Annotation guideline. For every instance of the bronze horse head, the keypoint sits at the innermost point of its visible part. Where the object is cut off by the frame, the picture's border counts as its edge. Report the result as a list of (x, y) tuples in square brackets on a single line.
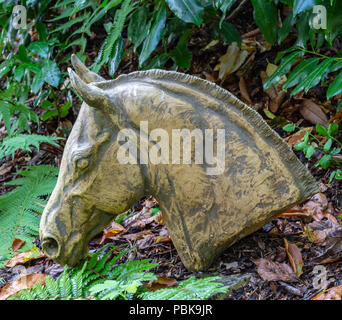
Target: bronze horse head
[(127, 143)]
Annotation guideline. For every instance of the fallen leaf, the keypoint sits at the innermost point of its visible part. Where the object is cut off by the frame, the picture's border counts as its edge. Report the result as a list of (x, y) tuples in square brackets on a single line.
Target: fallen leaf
[(5, 168), (160, 239), (25, 256), (313, 113), (334, 293), (295, 257), (244, 91), (112, 230), (297, 137), (137, 236), (146, 242), (274, 271), (17, 244), (161, 283), (231, 61), (276, 96), (25, 282)]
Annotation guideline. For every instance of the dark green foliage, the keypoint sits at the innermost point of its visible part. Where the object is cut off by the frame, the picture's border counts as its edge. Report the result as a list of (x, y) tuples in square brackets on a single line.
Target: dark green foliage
[(327, 150), (102, 278)]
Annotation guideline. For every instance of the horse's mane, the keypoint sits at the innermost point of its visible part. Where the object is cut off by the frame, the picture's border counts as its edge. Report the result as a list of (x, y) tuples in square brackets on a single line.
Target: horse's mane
[(226, 98)]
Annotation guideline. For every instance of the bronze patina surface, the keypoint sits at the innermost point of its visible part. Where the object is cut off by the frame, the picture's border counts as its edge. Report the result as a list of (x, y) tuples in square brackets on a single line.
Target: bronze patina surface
[(204, 213)]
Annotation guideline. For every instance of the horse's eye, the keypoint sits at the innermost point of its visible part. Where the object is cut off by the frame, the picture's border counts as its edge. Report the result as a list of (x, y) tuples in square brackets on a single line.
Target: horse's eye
[(82, 163)]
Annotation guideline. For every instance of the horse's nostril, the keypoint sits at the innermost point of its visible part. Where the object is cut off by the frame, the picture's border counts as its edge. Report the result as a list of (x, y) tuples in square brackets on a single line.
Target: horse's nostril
[(50, 247)]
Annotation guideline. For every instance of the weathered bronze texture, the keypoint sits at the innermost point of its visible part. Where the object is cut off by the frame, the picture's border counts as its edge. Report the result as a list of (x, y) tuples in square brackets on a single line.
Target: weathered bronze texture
[(204, 214)]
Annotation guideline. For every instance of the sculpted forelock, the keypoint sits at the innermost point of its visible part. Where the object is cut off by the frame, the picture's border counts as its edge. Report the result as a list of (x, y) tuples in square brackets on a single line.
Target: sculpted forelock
[(205, 213)]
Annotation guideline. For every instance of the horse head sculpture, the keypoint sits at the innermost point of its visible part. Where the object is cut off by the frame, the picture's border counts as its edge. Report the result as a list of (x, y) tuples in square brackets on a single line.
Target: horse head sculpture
[(127, 142)]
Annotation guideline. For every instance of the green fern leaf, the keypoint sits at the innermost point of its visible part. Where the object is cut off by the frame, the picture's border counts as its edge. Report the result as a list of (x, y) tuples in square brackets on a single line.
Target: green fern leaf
[(19, 208)]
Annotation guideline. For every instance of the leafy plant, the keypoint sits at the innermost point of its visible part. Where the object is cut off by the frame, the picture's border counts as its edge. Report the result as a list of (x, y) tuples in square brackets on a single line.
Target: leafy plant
[(189, 289), (102, 278), (9, 145), (313, 66), (310, 144), (21, 207)]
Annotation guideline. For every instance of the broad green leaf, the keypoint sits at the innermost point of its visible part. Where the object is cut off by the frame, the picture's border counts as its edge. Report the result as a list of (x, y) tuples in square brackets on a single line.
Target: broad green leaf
[(158, 61), (19, 72), (290, 127), (316, 75), (187, 10), (303, 30), (283, 69), (324, 162), (303, 5), (154, 35), (335, 87), (181, 54), (37, 82), (42, 31), (51, 73), (334, 21), (301, 72), (5, 67), (336, 66), (224, 5), (6, 115), (116, 56), (137, 24), (309, 152), (322, 130), (327, 145), (332, 129), (266, 18), (288, 23), (229, 34), (40, 48)]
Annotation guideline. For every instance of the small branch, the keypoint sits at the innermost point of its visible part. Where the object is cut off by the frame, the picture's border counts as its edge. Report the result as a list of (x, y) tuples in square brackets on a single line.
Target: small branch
[(236, 11)]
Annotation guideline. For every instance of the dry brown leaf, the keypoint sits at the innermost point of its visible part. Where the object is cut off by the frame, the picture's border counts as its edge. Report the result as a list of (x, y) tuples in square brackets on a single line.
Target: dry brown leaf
[(25, 256), (275, 103), (146, 242), (297, 137), (331, 294), (136, 236), (160, 239), (161, 283), (5, 168), (274, 271), (244, 91), (112, 230), (25, 282), (231, 61), (313, 113), (295, 257), (17, 244)]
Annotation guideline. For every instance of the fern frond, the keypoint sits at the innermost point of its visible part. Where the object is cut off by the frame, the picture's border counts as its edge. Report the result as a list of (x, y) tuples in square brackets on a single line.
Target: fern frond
[(114, 33), (20, 208), (190, 289), (23, 141)]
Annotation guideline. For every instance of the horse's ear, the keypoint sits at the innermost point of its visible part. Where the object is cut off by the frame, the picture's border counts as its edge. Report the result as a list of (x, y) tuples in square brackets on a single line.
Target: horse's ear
[(83, 72), (92, 95)]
